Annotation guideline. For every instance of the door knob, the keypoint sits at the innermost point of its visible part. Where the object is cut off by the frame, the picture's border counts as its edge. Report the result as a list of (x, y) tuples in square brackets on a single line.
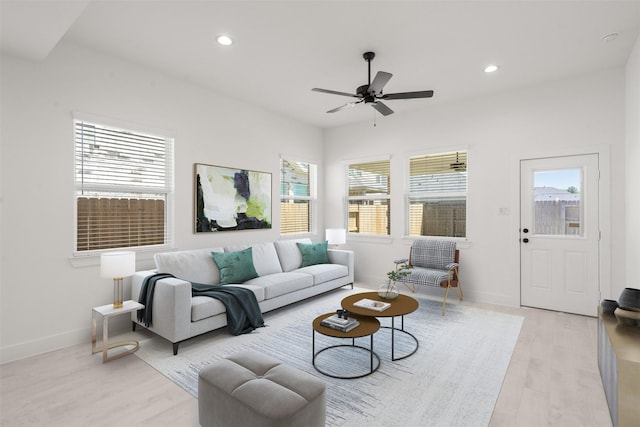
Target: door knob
[(525, 230), (525, 240)]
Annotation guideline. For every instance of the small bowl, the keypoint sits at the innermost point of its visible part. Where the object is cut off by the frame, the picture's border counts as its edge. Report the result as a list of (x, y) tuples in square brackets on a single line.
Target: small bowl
[(630, 299), (627, 317), (609, 305)]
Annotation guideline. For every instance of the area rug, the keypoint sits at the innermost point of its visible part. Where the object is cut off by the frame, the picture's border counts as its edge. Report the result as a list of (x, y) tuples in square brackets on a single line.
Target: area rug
[(453, 379)]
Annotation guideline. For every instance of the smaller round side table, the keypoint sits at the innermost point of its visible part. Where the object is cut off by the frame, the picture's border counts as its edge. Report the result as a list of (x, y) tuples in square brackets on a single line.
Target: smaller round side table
[(367, 327)]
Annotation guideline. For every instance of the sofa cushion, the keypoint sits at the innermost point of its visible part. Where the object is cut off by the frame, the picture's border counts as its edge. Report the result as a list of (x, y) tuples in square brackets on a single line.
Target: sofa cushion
[(193, 266), (265, 258), (235, 267), (203, 307), (313, 253), (278, 284), (289, 253), (324, 272)]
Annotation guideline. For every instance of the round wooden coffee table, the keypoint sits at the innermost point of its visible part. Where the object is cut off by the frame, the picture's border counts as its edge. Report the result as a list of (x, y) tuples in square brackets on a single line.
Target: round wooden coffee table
[(400, 306), (367, 327)]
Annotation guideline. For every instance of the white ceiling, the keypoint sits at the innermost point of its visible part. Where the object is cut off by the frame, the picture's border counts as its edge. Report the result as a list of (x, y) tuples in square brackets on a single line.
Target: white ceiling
[(283, 49)]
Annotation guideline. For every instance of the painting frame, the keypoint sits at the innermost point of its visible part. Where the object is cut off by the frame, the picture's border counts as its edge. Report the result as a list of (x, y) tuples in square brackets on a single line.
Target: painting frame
[(231, 199)]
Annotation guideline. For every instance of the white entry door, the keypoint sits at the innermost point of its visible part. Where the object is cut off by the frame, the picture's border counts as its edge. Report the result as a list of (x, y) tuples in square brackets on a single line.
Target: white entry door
[(559, 234)]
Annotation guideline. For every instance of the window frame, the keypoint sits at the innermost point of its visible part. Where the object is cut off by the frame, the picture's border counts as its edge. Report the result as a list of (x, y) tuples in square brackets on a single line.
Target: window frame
[(368, 197), (436, 195), (311, 198), (115, 191)]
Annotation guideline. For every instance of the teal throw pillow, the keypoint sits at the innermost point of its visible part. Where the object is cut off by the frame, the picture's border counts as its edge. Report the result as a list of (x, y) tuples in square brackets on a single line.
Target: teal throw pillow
[(313, 253), (235, 267)]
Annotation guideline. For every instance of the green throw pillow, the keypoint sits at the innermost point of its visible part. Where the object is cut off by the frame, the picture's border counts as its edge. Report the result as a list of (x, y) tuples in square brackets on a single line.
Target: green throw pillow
[(313, 253), (235, 267)]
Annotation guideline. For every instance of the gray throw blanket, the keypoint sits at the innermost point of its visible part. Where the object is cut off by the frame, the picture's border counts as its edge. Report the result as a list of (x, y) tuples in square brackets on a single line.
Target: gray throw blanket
[(243, 311)]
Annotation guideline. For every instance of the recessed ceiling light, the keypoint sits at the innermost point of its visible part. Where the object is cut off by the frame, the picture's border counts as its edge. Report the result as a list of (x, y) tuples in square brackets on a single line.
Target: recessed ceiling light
[(491, 68), (225, 40)]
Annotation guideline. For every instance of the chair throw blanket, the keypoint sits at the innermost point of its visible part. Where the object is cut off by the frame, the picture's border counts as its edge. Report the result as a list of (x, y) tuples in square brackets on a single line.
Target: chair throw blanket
[(243, 311)]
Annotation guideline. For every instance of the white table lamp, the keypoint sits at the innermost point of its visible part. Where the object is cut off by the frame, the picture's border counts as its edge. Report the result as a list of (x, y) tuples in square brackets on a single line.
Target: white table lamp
[(336, 236), (116, 265)]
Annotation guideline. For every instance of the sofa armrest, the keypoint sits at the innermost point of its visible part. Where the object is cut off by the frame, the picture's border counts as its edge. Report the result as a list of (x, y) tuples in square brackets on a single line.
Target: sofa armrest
[(343, 257), (171, 306)]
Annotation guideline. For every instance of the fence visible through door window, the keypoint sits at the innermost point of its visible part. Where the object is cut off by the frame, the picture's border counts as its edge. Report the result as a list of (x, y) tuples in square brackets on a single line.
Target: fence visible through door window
[(557, 202)]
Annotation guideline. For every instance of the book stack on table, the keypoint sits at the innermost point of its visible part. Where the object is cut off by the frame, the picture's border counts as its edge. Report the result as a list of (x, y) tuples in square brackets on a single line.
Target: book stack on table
[(340, 324)]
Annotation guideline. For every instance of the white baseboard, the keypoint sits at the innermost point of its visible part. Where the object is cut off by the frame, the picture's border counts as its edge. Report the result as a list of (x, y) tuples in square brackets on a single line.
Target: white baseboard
[(32, 348)]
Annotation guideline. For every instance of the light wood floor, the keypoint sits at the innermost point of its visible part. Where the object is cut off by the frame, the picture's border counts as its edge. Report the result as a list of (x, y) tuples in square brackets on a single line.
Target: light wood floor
[(552, 380)]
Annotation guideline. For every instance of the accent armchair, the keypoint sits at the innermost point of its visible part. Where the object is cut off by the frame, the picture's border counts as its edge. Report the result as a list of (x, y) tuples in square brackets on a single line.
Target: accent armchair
[(433, 263)]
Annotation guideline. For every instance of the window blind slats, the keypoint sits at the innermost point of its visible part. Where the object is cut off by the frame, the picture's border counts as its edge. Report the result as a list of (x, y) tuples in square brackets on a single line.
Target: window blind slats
[(105, 223), (438, 173), (116, 157), (370, 178)]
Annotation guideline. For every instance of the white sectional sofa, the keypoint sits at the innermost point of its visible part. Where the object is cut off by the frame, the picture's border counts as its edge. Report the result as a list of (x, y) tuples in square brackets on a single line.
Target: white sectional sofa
[(281, 280)]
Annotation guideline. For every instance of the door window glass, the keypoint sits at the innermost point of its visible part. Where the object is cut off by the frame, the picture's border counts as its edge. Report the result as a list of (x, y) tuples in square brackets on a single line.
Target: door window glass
[(558, 202)]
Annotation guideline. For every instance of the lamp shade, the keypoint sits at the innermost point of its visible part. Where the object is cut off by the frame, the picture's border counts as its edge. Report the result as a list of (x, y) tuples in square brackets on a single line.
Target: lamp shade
[(117, 264), (336, 236)]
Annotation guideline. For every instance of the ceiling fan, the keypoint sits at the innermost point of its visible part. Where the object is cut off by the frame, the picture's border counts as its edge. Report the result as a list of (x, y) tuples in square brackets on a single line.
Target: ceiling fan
[(371, 93)]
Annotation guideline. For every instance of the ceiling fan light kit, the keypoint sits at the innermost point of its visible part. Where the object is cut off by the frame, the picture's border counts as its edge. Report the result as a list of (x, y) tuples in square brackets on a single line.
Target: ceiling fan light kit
[(371, 93)]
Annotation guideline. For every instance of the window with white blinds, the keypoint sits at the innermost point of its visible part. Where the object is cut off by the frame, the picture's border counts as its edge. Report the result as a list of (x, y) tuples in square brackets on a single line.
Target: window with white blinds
[(297, 195), (123, 182), (438, 195), (369, 197)]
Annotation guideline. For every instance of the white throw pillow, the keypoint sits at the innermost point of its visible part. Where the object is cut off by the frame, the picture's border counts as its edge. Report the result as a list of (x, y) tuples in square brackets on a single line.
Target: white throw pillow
[(289, 253)]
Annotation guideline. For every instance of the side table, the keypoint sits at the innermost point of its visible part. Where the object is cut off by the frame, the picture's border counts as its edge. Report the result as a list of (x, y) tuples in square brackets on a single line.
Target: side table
[(368, 326), (107, 311)]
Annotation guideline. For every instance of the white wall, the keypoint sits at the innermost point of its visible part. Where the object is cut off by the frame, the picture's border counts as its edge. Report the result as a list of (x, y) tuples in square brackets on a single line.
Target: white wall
[(46, 298), (555, 118), (633, 161)]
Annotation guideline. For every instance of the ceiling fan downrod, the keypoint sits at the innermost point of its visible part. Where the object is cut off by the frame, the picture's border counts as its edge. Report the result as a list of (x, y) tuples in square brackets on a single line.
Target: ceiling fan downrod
[(368, 56)]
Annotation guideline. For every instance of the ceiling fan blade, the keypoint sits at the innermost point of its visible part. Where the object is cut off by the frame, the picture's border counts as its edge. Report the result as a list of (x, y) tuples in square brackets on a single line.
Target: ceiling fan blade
[(348, 104), (333, 92), (382, 108), (379, 82), (408, 95)]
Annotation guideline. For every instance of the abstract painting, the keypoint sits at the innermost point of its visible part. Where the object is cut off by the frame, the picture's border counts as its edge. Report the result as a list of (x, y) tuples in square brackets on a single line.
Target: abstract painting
[(231, 199)]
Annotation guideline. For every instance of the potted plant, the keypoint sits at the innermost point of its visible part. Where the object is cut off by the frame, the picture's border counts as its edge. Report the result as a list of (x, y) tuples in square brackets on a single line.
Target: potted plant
[(389, 290)]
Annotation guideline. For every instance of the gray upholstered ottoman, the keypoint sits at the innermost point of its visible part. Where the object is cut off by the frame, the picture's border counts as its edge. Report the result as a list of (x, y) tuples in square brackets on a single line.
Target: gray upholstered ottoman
[(253, 390)]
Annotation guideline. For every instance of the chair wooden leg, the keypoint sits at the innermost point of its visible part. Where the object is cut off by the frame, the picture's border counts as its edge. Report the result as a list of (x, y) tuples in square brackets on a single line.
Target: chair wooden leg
[(444, 302), (459, 291), (412, 288)]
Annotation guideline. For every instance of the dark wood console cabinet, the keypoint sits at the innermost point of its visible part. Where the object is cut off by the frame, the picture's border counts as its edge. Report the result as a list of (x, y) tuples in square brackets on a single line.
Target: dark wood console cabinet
[(619, 363)]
